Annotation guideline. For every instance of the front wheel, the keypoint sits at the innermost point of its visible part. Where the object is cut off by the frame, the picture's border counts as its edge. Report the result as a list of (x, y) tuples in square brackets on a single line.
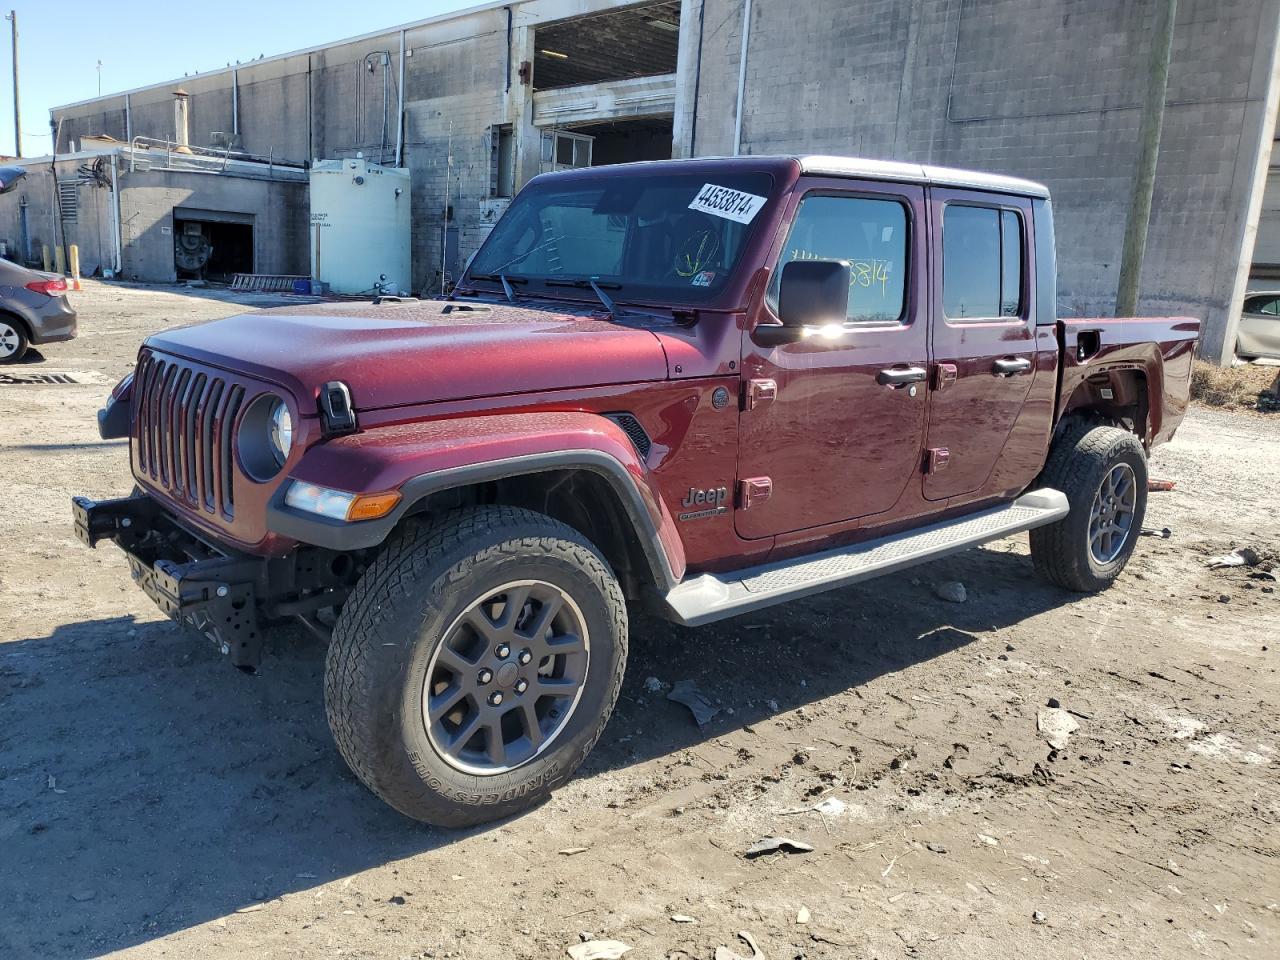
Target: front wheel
[(1103, 472), (476, 664)]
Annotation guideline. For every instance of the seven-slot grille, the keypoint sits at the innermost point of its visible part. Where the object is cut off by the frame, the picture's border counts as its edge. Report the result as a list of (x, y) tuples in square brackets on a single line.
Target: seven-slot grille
[(182, 431)]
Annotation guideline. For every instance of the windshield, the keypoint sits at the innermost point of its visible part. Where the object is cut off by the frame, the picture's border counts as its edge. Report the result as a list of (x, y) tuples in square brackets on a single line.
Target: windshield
[(650, 236)]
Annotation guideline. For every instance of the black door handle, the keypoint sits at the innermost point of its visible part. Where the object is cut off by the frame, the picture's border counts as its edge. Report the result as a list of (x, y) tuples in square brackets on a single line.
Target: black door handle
[(901, 376), (1008, 366)]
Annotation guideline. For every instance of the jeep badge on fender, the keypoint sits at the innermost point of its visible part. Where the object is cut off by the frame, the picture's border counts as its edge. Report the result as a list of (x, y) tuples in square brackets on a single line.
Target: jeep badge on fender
[(712, 499), (466, 498)]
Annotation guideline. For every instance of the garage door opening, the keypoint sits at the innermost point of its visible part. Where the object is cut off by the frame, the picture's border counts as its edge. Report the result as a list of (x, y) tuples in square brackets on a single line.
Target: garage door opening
[(626, 140), (211, 245)]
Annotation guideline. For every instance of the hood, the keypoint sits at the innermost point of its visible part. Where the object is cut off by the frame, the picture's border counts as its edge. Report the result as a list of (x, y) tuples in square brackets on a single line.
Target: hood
[(395, 354)]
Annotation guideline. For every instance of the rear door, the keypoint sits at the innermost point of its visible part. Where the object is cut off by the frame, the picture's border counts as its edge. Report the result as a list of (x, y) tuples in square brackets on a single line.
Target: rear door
[(983, 335), (823, 438), (1259, 334)]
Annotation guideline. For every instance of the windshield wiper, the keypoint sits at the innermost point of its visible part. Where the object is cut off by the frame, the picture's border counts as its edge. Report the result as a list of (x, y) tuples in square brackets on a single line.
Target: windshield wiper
[(504, 280), (598, 288)]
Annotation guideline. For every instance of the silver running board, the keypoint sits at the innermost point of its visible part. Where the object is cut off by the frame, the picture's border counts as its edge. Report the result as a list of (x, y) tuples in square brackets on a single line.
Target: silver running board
[(713, 596)]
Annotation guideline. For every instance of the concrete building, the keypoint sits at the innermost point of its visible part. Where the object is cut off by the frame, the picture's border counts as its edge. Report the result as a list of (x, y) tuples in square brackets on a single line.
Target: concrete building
[(476, 103)]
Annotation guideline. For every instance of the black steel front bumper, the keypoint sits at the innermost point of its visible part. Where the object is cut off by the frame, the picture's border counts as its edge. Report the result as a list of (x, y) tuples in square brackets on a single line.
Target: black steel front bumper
[(190, 580)]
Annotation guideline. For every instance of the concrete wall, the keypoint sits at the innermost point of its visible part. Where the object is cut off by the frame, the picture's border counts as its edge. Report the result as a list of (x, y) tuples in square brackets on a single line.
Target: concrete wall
[(1050, 91), (147, 200), (91, 230)]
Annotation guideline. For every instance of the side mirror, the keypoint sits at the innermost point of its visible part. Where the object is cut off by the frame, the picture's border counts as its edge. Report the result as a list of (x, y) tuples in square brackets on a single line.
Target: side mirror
[(813, 293)]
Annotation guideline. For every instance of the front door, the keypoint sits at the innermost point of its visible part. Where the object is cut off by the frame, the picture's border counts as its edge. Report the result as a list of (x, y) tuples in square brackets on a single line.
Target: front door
[(825, 436), (984, 345)]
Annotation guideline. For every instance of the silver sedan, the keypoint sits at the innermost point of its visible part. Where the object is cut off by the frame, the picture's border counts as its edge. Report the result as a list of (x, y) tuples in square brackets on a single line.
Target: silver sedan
[(1259, 333)]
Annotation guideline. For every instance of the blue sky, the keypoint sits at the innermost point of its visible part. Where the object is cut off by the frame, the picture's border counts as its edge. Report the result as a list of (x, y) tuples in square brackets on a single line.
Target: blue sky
[(60, 45)]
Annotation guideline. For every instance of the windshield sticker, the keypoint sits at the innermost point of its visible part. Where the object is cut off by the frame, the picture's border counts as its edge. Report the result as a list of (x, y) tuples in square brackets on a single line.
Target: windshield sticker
[(729, 204), (703, 279)]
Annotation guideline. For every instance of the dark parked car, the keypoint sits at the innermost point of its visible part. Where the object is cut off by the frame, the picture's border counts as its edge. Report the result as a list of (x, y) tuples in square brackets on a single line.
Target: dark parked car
[(697, 387), (33, 309)]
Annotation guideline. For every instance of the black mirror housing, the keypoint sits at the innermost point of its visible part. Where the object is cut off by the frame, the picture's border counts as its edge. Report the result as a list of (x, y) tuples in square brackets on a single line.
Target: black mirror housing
[(814, 293)]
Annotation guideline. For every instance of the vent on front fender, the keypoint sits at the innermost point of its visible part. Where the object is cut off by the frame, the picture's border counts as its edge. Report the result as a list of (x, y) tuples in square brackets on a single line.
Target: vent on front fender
[(632, 428)]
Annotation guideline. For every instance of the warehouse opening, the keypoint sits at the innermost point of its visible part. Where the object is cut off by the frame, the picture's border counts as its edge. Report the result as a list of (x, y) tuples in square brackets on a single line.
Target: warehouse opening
[(617, 45), (211, 244)]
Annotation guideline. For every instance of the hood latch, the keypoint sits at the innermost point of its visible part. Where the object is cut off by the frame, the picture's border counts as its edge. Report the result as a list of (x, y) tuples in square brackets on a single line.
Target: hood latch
[(337, 415)]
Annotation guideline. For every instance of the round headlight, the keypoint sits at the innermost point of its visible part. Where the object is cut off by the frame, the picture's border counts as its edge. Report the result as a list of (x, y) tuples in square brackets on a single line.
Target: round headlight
[(281, 431), (265, 437)]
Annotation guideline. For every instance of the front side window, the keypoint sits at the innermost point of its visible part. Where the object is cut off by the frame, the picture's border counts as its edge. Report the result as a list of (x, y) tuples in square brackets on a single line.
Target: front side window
[(871, 234), (981, 263), (664, 237)]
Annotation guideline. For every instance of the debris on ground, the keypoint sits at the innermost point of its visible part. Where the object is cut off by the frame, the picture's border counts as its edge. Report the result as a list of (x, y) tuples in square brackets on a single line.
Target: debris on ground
[(1038, 917), (952, 591), (1243, 557), (81, 896), (1056, 725), (1160, 486), (653, 685), (830, 807), (802, 915), (598, 950), (725, 953), (782, 844), (570, 851), (687, 693), (935, 848), (683, 918)]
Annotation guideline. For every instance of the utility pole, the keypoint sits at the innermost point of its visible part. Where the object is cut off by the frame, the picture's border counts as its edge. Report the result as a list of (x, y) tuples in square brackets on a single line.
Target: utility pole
[(12, 17), (99, 78), (1144, 179)]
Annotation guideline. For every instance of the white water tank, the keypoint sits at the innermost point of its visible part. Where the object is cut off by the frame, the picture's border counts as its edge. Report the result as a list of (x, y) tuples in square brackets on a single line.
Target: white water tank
[(360, 227)]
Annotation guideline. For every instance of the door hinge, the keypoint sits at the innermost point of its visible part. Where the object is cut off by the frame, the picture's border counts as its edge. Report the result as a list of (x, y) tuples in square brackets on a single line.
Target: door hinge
[(761, 392), (936, 458), (755, 490), (944, 375)]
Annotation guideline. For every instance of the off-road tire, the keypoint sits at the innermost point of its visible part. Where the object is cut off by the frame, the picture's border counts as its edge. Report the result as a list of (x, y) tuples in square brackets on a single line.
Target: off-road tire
[(426, 574), (13, 331), (1079, 461)]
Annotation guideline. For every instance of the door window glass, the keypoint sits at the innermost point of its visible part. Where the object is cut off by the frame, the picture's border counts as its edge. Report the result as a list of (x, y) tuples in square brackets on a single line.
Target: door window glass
[(981, 263), (871, 234), (1010, 264)]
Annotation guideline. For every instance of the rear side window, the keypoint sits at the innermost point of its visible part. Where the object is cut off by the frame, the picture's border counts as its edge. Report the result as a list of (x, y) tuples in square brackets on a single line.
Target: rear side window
[(871, 234), (981, 263), (1266, 305)]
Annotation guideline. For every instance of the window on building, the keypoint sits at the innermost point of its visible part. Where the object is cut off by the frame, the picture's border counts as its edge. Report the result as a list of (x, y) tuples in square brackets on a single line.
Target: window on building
[(564, 151), (981, 263), (502, 163), (871, 234)]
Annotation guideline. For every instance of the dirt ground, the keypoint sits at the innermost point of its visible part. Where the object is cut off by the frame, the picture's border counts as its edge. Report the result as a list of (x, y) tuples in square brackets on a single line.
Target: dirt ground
[(155, 802)]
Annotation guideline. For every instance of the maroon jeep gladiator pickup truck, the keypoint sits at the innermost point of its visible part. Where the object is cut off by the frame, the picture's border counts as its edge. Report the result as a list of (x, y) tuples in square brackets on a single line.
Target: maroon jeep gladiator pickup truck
[(701, 386)]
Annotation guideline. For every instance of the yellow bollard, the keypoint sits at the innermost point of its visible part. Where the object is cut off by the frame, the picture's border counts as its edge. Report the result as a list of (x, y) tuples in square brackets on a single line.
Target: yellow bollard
[(60, 261), (44, 256), (73, 254)]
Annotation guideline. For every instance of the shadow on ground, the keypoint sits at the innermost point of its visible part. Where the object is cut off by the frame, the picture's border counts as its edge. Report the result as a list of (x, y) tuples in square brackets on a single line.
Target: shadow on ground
[(146, 787)]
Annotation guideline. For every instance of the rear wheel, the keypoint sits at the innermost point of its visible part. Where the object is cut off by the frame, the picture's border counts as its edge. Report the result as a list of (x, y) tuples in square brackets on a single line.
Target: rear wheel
[(476, 664), (13, 341), (1103, 472)]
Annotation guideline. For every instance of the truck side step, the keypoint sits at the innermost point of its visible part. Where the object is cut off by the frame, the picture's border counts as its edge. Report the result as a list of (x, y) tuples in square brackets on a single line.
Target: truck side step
[(711, 597)]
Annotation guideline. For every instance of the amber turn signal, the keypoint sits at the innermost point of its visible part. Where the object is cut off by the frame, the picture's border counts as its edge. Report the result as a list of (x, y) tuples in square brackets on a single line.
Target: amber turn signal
[(370, 506)]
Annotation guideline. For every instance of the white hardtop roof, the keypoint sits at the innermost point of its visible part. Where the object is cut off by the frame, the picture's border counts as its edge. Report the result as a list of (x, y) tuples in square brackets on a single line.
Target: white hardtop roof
[(919, 173)]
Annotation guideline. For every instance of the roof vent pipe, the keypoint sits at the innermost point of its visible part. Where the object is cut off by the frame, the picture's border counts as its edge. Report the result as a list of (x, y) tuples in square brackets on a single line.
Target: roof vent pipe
[(181, 134)]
